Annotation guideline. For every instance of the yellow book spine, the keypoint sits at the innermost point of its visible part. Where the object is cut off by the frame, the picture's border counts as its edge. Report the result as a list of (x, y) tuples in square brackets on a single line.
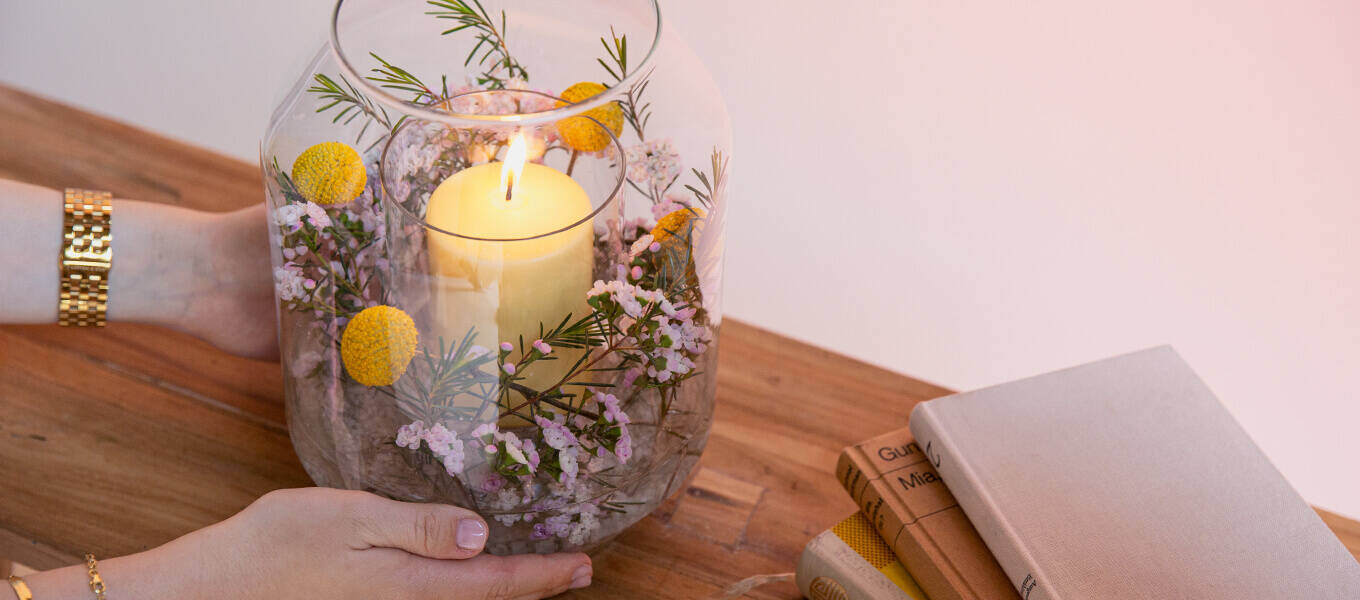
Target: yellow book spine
[(851, 562)]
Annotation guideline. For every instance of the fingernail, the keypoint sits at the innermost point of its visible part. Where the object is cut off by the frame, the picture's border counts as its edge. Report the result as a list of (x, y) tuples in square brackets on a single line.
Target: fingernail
[(471, 534), (580, 578)]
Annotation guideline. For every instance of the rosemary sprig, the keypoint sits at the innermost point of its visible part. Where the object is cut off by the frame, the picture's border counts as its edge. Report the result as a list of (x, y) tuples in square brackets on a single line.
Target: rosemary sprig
[(286, 186), (711, 186), (637, 112), (393, 77), (450, 372), (584, 333), (352, 103), (491, 43)]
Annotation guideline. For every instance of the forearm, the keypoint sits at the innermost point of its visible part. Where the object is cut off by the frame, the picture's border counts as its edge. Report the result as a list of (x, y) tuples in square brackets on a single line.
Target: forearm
[(202, 565), (30, 239), (143, 575), (155, 254), (152, 246), (202, 273)]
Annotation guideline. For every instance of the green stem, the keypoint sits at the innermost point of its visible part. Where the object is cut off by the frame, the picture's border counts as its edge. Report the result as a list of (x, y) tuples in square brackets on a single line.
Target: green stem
[(532, 396)]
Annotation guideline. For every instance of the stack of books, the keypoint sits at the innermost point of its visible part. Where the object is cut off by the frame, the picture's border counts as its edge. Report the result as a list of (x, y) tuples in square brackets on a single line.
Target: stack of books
[(1124, 478)]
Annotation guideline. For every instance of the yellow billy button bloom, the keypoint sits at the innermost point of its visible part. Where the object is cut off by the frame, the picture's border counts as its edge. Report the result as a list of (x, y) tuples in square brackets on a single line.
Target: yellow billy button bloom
[(584, 134), (330, 173), (378, 345), (675, 230)]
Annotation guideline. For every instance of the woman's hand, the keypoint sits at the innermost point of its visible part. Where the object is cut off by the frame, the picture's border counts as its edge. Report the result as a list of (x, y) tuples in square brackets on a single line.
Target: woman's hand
[(206, 274), (325, 543), (233, 286)]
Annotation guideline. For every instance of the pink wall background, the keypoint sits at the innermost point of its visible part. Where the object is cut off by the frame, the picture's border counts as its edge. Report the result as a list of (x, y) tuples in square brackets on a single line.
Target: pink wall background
[(984, 190)]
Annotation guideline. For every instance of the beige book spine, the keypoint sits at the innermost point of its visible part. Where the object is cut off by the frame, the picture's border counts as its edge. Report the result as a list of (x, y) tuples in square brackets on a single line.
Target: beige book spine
[(921, 522), (829, 569), (1000, 538)]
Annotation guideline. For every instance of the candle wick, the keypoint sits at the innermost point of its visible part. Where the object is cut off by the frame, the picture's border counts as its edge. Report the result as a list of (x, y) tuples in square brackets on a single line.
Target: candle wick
[(509, 186)]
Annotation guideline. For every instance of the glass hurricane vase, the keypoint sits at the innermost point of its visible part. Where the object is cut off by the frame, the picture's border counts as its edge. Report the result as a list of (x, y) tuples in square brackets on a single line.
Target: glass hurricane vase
[(497, 244)]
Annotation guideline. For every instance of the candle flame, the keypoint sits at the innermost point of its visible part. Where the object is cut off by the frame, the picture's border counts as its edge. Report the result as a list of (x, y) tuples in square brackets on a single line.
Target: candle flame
[(515, 157)]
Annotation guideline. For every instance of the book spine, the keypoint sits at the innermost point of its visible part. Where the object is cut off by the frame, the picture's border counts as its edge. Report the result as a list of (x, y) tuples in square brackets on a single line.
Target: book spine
[(858, 476), (970, 493), (829, 569), (880, 505)]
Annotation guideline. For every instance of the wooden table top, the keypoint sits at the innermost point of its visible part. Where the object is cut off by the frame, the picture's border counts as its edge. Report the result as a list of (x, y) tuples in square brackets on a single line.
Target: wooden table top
[(161, 434)]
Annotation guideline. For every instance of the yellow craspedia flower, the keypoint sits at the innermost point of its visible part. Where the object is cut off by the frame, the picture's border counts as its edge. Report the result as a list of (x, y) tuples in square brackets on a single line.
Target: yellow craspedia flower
[(330, 173), (675, 232), (581, 133), (378, 345), (678, 227)]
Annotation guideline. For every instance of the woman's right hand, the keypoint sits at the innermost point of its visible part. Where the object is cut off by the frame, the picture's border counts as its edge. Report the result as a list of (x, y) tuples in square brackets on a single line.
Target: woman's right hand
[(327, 543)]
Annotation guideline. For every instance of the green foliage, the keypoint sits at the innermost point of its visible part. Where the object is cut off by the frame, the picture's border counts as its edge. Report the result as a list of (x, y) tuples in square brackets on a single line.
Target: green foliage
[(286, 186), (491, 52), (393, 77), (711, 185), (637, 112), (351, 103), (452, 374)]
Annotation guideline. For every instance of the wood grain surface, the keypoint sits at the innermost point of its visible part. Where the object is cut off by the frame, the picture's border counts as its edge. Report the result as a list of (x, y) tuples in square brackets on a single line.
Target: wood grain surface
[(117, 440)]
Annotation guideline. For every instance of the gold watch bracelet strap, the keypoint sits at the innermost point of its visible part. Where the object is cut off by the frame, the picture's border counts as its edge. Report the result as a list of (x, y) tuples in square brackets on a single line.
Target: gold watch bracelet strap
[(86, 258)]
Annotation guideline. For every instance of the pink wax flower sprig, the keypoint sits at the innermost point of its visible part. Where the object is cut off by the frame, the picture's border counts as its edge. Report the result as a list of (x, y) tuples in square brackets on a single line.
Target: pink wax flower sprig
[(443, 444), (331, 255), (512, 373), (562, 442), (655, 333), (653, 167), (631, 328), (648, 323), (565, 449)]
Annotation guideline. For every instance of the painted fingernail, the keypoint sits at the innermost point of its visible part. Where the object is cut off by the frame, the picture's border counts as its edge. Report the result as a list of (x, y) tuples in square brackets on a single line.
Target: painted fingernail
[(581, 577), (471, 534)]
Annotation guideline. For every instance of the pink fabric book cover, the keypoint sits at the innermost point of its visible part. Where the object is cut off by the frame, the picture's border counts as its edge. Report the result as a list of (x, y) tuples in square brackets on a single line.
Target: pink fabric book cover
[(1126, 478)]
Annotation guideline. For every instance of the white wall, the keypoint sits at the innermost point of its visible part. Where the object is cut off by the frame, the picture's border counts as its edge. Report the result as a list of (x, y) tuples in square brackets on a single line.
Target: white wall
[(1010, 187)]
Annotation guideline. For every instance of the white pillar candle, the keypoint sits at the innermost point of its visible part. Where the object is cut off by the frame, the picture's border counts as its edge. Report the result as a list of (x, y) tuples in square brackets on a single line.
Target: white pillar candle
[(505, 289)]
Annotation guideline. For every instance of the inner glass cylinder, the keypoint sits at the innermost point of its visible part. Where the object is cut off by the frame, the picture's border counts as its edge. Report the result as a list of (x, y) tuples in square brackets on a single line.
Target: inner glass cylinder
[(497, 232)]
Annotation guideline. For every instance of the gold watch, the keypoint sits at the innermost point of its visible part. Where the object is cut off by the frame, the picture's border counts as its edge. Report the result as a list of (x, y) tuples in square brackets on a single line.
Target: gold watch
[(86, 258)]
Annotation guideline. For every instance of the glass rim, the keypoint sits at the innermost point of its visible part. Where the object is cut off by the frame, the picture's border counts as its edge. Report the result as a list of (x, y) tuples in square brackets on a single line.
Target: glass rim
[(609, 199), (472, 120)]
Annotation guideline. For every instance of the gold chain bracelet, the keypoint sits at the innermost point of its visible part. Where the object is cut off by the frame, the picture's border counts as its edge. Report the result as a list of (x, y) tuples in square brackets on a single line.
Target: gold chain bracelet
[(96, 582), (20, 588)]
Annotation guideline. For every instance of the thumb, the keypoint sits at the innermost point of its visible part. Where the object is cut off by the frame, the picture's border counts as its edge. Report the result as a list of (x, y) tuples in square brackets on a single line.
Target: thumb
[(520, 577), (430, 530)]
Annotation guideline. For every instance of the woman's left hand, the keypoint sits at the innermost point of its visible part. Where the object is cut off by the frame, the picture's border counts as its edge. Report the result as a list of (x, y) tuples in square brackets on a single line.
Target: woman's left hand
[(327, 543)]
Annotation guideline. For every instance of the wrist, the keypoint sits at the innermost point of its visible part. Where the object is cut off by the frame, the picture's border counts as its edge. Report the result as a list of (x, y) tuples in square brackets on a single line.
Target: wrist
[(31, 242), (155, 251), (143, 575), (66, 583)]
